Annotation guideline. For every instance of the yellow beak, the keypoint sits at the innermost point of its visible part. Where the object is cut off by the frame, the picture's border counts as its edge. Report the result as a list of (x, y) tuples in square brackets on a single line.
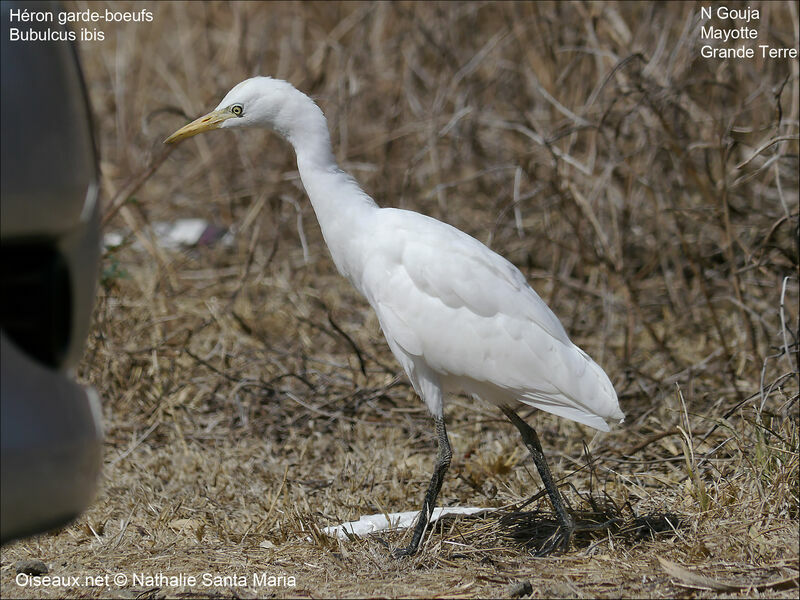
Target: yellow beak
[(205, 123)]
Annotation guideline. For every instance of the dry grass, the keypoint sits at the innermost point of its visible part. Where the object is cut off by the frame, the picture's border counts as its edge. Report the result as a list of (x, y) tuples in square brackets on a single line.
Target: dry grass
[(249, 397)]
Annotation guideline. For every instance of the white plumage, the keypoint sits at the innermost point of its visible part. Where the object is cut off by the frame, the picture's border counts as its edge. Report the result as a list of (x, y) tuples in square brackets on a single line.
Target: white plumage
[(455, 314)]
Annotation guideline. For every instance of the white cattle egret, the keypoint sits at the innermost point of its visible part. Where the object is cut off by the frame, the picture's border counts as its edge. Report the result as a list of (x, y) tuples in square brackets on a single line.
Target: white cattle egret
[(457, 316)]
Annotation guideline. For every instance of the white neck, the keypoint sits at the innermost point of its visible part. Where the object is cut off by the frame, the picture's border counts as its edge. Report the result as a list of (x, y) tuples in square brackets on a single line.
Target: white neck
[(343, 209)]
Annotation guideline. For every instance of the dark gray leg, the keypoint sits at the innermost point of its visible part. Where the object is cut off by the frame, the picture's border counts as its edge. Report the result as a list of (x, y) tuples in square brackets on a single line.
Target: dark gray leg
[(535, 448), (442, 464)]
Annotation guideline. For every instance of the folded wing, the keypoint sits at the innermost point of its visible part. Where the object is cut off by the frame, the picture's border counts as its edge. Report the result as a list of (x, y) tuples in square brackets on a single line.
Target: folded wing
[(444, 298)]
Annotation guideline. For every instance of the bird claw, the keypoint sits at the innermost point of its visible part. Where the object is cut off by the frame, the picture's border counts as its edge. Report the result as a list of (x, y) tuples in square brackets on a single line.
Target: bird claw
[(403, 553), (558, 541)]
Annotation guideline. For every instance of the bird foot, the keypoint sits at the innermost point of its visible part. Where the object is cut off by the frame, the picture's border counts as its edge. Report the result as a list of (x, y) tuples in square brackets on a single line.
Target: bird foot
[(558, 541), (403, 552)]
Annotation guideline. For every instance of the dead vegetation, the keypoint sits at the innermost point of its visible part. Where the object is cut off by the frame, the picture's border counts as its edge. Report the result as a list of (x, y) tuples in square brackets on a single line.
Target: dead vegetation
[(650, 196)]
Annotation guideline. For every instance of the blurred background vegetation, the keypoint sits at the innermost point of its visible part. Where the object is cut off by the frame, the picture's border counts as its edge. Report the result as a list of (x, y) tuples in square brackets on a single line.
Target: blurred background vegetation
[(649, 194)]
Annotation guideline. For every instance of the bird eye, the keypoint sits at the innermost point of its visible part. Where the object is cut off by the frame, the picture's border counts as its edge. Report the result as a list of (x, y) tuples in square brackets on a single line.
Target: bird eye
[(237, 110)]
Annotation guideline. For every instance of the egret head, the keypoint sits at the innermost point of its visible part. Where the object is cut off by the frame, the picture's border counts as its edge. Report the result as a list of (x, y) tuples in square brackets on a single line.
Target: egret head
[(255, 102)]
